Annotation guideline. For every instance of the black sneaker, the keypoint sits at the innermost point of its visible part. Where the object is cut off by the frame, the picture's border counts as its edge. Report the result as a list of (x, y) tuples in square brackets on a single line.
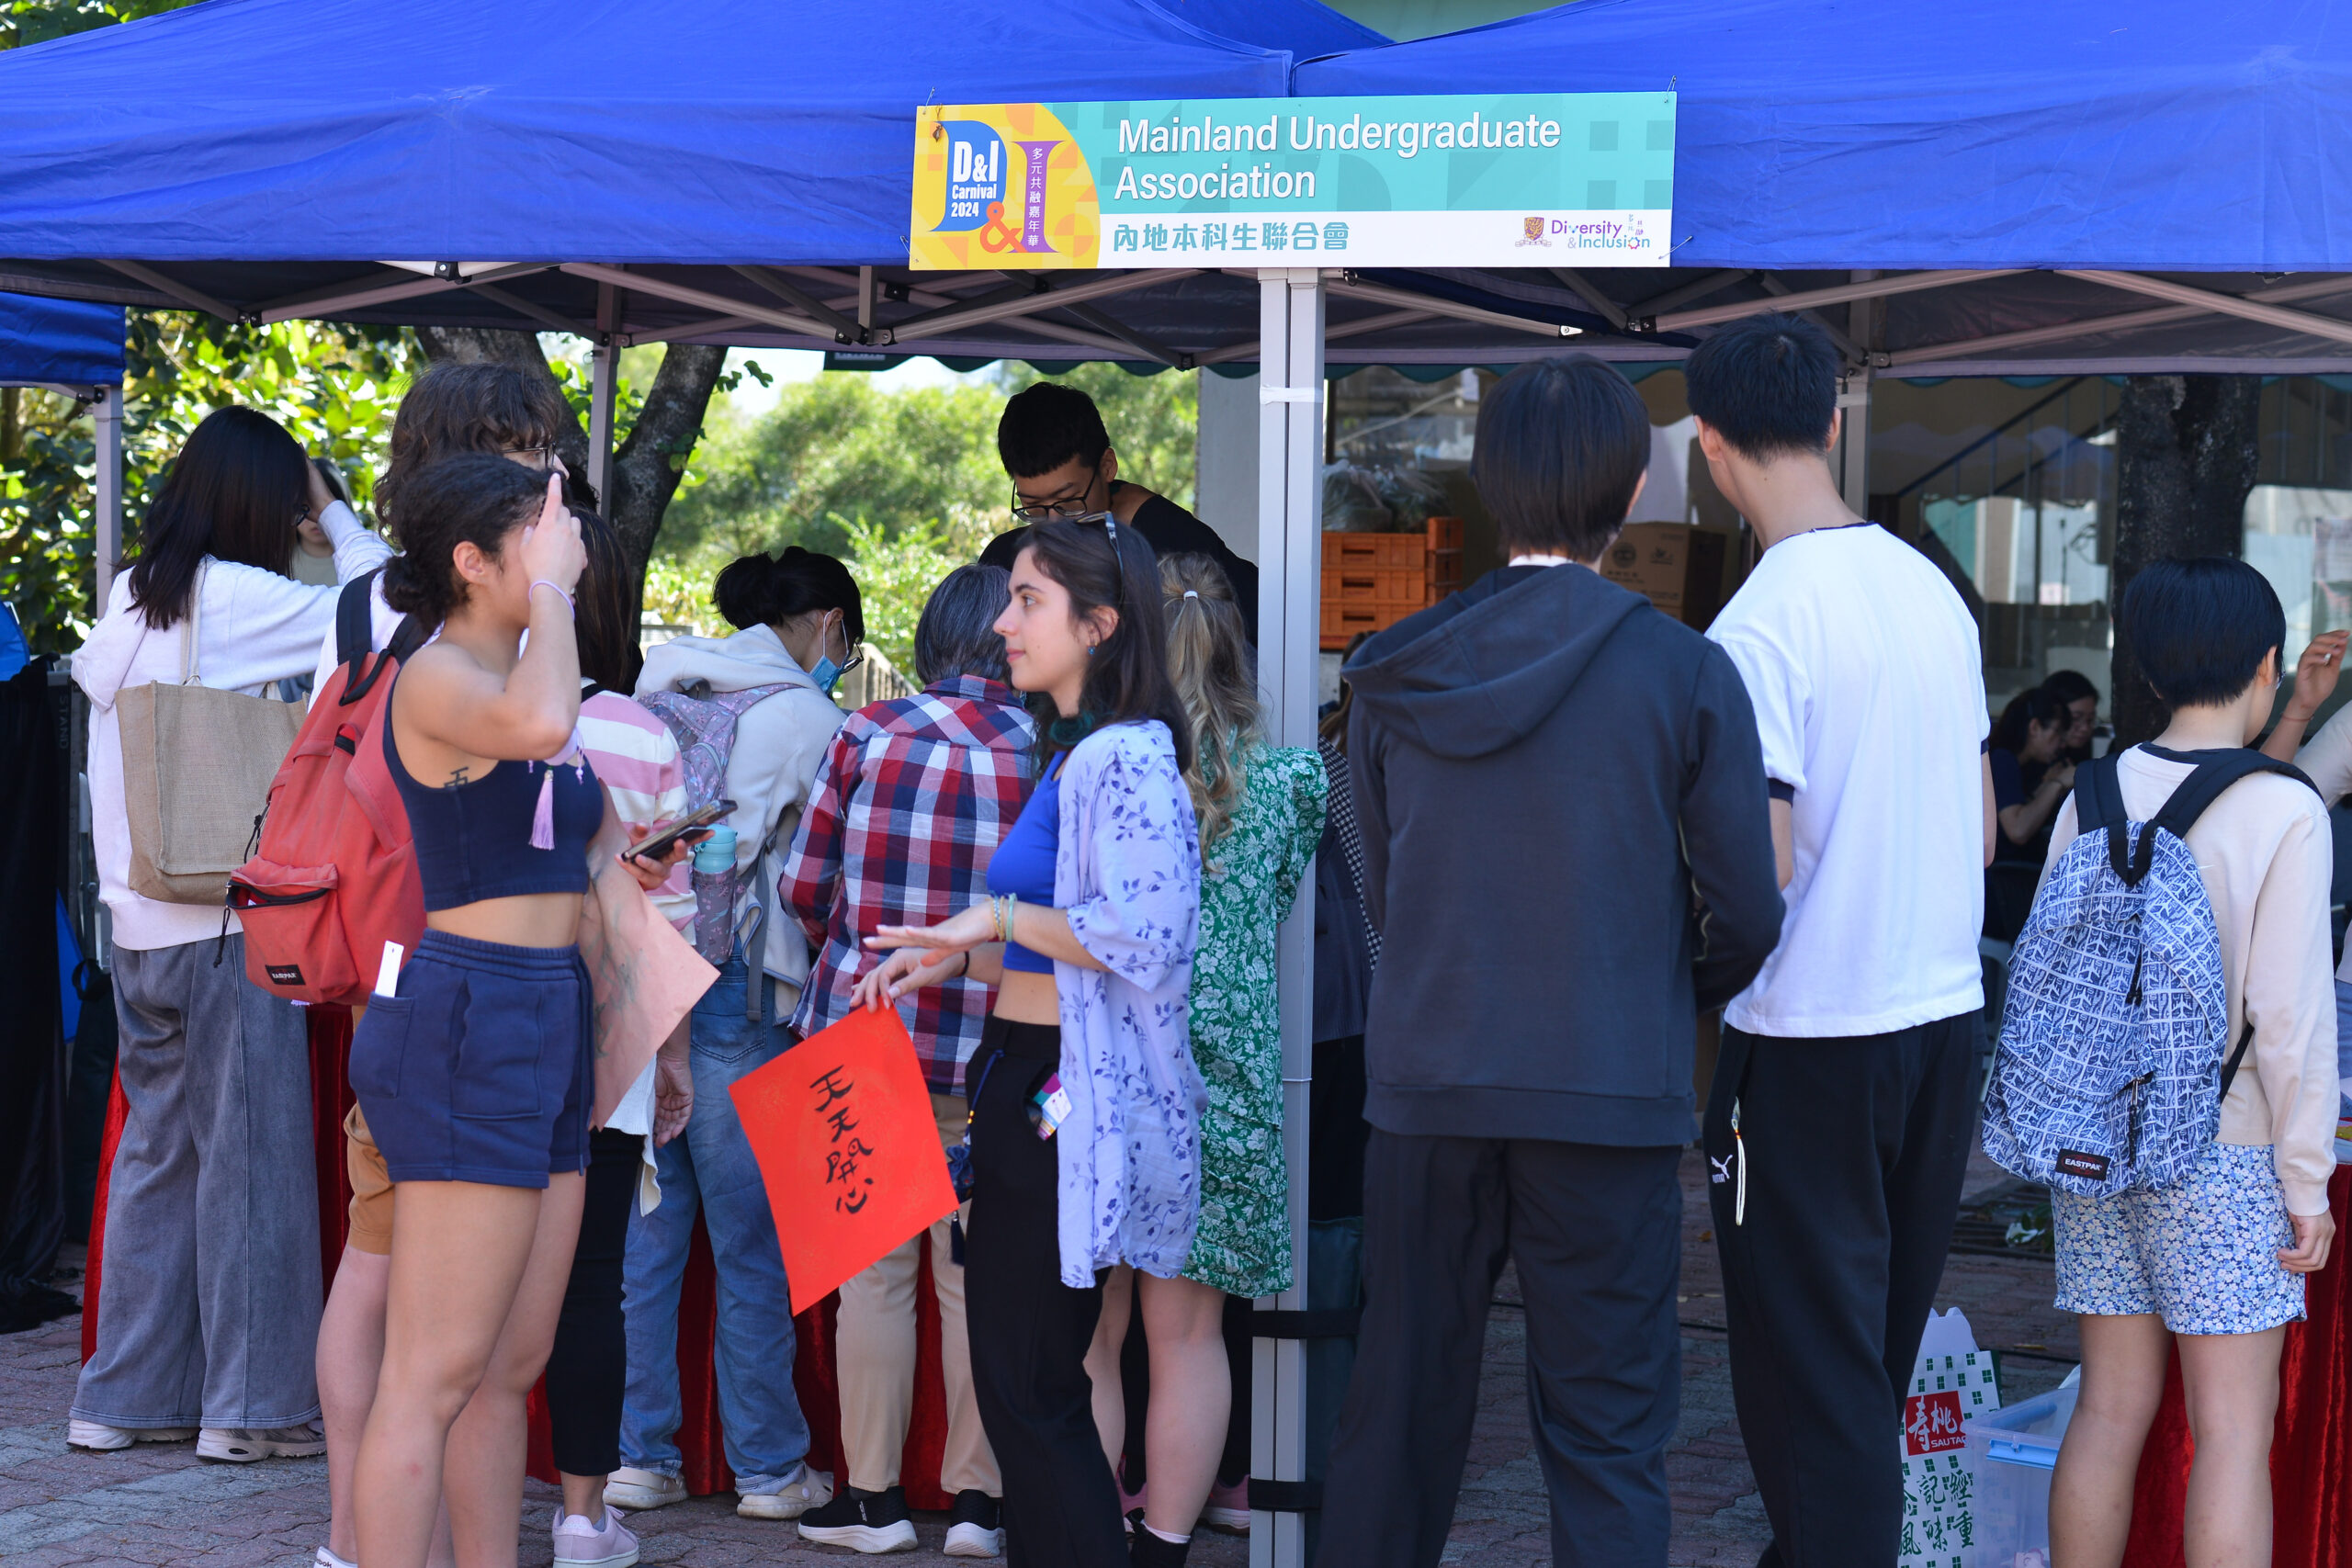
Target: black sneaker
[(976, 1526), (863, 1521)]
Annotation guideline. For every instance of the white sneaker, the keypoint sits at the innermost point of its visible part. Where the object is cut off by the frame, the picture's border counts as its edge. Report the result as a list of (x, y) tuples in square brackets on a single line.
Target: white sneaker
[(243, 1445), (808, 1489), (327, 1559), (99, 1438), (578, 1544), (974, 1525), (637, 1490)]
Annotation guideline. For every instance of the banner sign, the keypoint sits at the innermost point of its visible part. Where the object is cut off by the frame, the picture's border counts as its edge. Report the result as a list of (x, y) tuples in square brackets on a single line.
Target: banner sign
[(1510, 179)]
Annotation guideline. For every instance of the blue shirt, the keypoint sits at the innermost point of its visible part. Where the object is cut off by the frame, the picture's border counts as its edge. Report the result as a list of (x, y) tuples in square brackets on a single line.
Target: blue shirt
[(1023, 863)]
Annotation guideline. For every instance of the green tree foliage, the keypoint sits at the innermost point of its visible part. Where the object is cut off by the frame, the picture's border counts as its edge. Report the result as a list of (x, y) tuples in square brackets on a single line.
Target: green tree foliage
[(26, 22), (903, 484)]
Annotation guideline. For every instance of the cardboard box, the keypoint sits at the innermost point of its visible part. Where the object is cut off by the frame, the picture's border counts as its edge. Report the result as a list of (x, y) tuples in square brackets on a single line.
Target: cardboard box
[(1678, 567)]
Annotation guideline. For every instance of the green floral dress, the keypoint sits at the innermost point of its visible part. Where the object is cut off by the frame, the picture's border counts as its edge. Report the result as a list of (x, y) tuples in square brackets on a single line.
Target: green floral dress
[(1247, 885)]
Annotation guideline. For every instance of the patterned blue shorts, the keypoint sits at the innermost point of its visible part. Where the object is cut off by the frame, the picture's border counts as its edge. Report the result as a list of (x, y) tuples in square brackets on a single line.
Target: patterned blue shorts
[(2203, 1252)]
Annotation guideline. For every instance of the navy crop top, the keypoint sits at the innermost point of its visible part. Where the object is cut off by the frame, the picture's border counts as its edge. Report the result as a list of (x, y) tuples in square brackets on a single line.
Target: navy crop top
[(1023, 862), (473, 840)]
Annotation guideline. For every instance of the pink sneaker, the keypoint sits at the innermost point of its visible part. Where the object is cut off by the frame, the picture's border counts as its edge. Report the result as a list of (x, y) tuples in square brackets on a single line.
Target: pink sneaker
[(1131, 1504), (578, 1544), (1229, 1509)]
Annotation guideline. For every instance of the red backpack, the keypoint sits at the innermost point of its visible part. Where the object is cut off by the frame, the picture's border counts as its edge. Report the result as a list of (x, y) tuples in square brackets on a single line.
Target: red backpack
[(335, 875)]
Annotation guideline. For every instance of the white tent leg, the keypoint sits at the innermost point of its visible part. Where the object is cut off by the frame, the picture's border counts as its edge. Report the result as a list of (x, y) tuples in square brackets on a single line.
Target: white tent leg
[(1290, 577), (107, 523), (1854, 444)]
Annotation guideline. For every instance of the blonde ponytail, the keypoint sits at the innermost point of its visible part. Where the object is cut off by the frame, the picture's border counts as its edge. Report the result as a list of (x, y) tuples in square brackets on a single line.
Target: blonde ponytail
[(1208, 660)]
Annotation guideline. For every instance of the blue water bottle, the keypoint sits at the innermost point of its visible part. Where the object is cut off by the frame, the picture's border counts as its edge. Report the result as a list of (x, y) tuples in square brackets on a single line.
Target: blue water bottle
[(714, 884)]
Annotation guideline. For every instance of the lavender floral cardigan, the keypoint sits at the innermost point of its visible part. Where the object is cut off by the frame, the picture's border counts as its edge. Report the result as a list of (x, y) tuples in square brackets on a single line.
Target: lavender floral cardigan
[(1127, 875)]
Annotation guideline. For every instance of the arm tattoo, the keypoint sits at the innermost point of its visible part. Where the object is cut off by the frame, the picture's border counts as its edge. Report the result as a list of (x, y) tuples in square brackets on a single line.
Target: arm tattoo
[(457, 777)]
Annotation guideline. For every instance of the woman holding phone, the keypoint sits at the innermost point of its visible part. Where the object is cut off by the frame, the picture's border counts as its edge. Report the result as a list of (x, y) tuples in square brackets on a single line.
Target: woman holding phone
[(1085, 1136)]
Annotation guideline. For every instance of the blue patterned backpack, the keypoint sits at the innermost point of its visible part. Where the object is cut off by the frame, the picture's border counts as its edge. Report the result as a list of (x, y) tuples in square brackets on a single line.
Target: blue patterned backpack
[(2110, 1074)]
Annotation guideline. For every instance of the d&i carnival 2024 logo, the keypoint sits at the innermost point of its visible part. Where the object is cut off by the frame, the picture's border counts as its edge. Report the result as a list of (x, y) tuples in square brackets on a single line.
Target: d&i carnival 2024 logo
[(1001, 185)]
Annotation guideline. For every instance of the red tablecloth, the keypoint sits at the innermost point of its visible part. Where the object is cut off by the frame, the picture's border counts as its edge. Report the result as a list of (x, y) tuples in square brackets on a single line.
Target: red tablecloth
[(2311, 1457), (699, 1438)]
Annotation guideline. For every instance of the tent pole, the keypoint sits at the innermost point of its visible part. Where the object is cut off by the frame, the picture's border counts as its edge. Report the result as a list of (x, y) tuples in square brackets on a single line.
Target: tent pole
[(1290, 543), (1853, 468), (604, 374), (106, 411), (1855, 399)]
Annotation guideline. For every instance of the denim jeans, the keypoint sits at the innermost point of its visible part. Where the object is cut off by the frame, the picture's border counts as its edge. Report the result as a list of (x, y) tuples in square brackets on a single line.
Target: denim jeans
[(208, 1308), (708, 1168)]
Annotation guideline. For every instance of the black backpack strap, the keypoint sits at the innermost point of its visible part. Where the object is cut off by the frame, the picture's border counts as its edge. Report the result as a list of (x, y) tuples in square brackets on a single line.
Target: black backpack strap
[(2199, 790), (407, 638), (354, 636), (2215, 774), (2230, 1069), (352, 642), (2098, 807)]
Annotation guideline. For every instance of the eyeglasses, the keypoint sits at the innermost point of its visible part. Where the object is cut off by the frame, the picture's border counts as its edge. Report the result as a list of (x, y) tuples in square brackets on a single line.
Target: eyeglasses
[(1062, 508), (1066, 507), (856, 652), (543, 458)]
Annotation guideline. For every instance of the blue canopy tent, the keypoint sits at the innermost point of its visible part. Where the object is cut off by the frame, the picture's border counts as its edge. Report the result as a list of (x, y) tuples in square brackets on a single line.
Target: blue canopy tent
[(75, 347), (460, 164), (58, 342), (2025, 159)]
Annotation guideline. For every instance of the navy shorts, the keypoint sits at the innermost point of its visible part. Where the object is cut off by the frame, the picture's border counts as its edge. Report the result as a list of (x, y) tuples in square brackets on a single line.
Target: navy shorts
[(481, 1069)]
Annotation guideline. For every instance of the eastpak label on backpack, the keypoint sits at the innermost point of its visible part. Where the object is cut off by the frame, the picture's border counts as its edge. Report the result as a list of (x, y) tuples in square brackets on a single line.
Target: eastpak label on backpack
[(2109, 1074)]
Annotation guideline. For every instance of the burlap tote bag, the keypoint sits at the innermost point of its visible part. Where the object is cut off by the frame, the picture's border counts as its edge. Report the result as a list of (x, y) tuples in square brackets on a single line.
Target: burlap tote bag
[(197, 766)]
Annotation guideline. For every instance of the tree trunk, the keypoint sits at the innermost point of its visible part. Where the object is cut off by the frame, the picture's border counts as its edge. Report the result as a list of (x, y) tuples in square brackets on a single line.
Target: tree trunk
[(2187, 448), (647, 465)]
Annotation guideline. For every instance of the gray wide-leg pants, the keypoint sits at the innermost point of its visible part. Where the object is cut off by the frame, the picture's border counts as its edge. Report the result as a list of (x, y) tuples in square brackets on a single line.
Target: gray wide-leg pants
[(208, 1300)]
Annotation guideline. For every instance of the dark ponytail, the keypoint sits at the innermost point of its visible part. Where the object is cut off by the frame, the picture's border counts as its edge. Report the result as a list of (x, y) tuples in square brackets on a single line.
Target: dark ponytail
[(471, 499), (760, 591), (1126, 680)]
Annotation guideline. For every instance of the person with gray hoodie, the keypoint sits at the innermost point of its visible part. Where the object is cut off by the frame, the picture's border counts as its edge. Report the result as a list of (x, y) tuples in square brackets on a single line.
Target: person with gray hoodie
[(802, 625), (1567, 851)]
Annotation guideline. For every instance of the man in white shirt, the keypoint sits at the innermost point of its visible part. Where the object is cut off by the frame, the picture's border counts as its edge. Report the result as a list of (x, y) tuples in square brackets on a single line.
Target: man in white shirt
[(1838, 1125)]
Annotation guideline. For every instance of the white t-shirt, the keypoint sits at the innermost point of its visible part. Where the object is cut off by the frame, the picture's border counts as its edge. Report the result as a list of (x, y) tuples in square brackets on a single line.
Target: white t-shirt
[(1867, 682)]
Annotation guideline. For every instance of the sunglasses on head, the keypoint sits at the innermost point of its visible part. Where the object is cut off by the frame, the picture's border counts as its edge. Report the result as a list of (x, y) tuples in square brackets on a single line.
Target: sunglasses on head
[(1110, 526)]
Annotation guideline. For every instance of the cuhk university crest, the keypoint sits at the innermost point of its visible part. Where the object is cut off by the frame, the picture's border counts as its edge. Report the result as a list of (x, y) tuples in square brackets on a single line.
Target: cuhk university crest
[(1533, 229)]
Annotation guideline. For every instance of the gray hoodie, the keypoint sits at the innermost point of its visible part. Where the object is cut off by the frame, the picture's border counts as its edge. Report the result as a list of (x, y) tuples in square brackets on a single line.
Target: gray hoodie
[(1568, 850)]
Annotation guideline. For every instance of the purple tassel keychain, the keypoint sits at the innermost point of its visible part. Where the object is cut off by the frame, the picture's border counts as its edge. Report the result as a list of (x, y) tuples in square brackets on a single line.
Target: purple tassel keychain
[(543, 815)]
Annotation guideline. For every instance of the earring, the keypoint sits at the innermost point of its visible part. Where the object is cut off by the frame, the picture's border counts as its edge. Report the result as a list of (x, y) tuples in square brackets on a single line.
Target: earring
[(1089, 651)]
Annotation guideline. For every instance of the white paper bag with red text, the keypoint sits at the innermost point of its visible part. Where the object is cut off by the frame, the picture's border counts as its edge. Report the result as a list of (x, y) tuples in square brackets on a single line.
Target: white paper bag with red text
[(1952, 1383)]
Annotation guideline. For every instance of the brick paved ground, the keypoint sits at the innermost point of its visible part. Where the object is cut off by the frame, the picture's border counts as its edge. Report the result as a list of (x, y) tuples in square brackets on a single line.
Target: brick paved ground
[(161, 1504)]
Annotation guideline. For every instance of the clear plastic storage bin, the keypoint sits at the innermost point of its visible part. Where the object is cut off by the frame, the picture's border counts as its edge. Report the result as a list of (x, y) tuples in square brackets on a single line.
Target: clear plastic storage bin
[(2012, 1453)]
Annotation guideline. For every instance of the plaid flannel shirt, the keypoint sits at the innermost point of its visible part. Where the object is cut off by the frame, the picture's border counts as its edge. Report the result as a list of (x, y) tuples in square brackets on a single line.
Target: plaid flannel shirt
[(912, 797)]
